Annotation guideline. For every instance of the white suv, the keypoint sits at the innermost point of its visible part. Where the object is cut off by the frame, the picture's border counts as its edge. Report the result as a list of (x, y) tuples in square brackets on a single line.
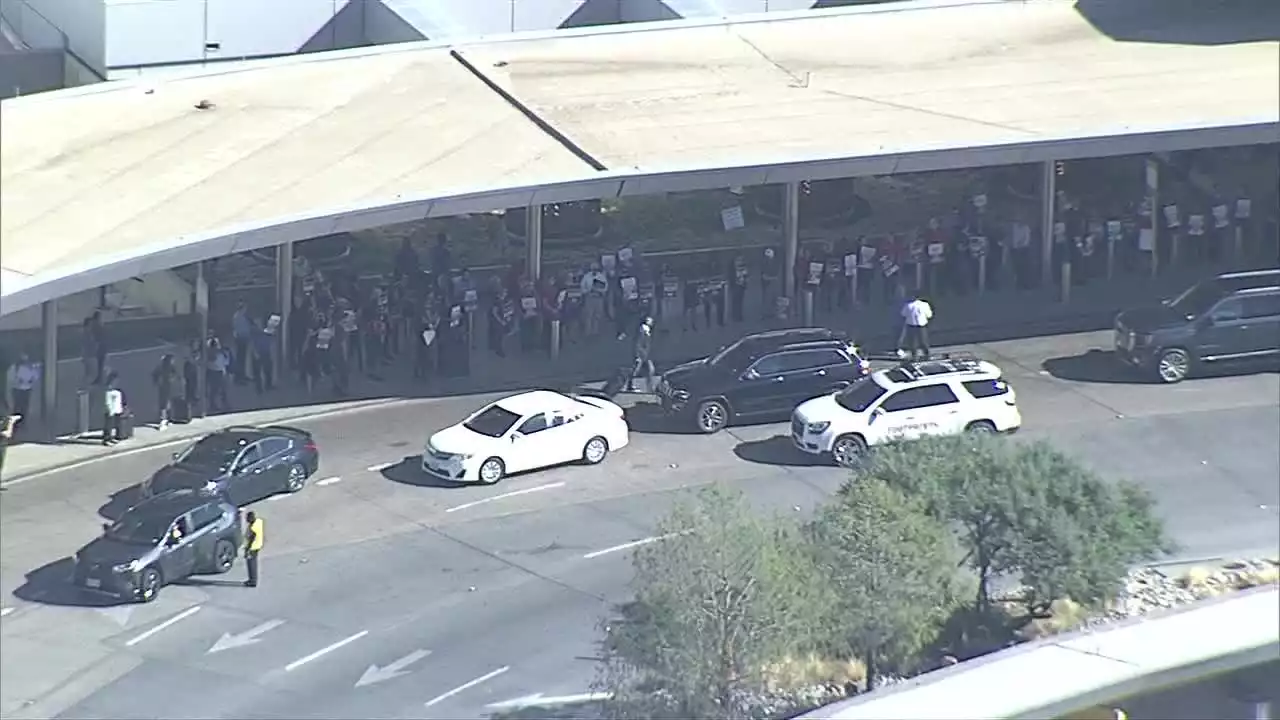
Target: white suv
[(934, 397)]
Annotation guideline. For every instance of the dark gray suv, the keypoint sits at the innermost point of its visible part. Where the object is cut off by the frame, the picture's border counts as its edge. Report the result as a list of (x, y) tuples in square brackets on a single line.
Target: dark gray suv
[(1229, 317)]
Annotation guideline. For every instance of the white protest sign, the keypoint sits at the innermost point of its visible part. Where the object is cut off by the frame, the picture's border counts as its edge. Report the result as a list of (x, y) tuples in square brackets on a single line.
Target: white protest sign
[(1171, 216), (1221, 218), (732, 218), (1195, 225)]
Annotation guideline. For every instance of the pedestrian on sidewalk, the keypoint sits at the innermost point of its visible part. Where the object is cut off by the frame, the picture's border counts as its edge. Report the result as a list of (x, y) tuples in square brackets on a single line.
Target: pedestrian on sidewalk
[(113, 409), (641, 364), (263, 368), (595, 285), (25, 376), (253, 539), (216, 368), (916, 315), (241, 335), (165, 378)]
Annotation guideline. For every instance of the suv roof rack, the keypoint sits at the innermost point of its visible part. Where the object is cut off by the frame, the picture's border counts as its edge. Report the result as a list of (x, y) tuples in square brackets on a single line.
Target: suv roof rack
[(944, 364)]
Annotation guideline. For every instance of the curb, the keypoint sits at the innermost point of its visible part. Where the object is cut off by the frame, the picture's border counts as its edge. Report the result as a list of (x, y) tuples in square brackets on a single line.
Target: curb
[(580, 376)]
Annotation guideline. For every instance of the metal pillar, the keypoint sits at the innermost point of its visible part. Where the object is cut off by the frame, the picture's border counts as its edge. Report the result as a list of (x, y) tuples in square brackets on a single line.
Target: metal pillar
[(1153, 202), (197, 407), (790, 238), (49, 366), (284, 302), (1048, 205), (533, 234)]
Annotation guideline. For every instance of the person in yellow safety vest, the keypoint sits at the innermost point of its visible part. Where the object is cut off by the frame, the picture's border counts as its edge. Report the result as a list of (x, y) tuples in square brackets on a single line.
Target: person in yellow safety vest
[(252, 546)]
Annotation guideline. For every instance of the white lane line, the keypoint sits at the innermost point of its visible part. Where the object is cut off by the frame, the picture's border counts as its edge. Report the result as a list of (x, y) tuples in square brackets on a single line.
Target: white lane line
[(6, 611), (379, 467), (329, 481), (164, 625), (628, 546), (324, 651), (468, 685), (513, 493), (278, 498)]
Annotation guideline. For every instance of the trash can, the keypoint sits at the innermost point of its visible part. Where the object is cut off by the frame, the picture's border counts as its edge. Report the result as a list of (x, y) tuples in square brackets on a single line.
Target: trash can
[(82, 412)]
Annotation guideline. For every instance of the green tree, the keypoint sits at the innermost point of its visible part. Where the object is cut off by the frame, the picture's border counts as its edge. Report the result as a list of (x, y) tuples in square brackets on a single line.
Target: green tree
[(726, 593), (1026, 510), (893, 569)]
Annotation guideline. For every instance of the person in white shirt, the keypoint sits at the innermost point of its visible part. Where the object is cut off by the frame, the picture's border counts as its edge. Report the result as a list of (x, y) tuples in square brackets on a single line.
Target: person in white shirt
[(595, 285), (915, 330), (113, 404), (25, 376)]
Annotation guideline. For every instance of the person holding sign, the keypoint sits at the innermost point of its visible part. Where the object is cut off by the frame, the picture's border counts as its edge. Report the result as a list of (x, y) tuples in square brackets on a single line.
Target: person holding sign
[(595, 286)]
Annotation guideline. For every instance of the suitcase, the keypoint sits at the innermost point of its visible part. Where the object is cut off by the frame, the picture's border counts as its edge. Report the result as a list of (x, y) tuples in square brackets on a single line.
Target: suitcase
[(126, 426), (180, 411), (614, 385)]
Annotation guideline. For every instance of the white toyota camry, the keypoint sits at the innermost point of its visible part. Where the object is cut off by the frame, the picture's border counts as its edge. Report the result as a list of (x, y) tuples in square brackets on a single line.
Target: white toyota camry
[(526, 432)]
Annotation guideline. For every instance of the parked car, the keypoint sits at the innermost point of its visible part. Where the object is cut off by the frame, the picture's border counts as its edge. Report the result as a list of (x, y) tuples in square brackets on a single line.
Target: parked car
[(524, 432), (946, 396), (244, 463), (760, 376), (160, 541), (1226, 318)]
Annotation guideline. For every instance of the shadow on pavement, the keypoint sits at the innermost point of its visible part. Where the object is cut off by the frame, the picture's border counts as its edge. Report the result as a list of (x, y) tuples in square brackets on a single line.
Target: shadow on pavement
[(1095, 366), (51, 585), (409, 472), (1184, 22), (648, 418), (776, 450), (120, 502)]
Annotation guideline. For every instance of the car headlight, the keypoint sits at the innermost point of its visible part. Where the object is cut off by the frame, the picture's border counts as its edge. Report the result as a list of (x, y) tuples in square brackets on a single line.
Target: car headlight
[(131, 566), (819, 427), (681, 394)]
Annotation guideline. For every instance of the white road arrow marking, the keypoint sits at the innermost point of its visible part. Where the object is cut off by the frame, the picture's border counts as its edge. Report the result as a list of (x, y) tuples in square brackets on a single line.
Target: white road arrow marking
[(379, 467), (540, 700), (467, 685), (248, 637), (394, 670), (6, 611), (324, 651)]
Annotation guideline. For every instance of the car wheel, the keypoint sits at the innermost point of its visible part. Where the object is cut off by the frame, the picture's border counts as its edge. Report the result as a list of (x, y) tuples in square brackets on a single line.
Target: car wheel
[(492, 470), (713, 416), (848, 450), (595, 451), (149, 585), (981, 427), (1173, 366), (224, 556), (296, 480)]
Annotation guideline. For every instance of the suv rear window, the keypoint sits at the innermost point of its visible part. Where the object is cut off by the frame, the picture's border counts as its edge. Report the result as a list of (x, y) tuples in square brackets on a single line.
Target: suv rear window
[(986, 388)]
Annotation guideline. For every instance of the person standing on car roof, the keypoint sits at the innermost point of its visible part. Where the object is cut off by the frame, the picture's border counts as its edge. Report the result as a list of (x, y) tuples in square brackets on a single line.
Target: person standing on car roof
[(915, 330), (253, 539)]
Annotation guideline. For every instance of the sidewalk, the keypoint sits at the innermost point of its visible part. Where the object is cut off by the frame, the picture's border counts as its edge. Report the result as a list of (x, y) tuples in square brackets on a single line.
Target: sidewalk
[(963, 320)]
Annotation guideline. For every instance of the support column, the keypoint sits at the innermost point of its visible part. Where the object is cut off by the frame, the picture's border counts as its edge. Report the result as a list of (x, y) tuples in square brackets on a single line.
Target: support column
[(533, 236), (198, 407), (284, 304), (49, 366), (1048, 205), (790, 239), (1153, 202)]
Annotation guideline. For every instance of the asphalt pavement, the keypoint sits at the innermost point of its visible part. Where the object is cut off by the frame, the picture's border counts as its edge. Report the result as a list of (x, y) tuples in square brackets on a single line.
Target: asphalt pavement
[(386, 595)]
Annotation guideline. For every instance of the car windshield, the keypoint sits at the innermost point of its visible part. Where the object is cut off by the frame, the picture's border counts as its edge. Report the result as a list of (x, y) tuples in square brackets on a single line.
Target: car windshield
[(493, 421), (139, 529), (213, 451), (723, 353), (860, 395), (1198, 299)]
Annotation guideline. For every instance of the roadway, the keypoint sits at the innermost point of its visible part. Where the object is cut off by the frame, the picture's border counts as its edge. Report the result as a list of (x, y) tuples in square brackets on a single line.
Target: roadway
[(478, 596)]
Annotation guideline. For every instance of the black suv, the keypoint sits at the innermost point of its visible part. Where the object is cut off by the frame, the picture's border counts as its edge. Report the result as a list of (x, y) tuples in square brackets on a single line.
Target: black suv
[(243, 464), (761, 375), (1230, 317), (159, 541)]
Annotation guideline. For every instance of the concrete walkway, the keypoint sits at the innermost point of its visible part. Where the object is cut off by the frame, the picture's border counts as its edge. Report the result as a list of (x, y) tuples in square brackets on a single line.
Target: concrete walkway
[(958, 320)]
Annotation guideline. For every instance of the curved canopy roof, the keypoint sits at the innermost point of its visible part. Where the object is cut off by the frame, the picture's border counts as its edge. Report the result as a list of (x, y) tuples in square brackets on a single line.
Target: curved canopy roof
[(120, 179)]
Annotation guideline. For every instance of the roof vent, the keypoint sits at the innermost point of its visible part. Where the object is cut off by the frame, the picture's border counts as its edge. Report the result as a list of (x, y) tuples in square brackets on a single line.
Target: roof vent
[(204, 105)]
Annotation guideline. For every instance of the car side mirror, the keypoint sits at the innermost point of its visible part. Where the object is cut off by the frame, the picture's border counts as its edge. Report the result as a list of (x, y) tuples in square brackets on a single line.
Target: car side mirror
[(106, 526), (175, 456), (750, 375), (516, 436)]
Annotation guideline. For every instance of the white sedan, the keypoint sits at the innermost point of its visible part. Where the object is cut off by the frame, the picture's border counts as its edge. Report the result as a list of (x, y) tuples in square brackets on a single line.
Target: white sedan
[(526, 432)]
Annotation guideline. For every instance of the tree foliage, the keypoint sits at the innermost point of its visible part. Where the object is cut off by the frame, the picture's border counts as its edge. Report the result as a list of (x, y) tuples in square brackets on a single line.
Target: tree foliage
[(1027, 511), (728, 592), (893, 572)]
